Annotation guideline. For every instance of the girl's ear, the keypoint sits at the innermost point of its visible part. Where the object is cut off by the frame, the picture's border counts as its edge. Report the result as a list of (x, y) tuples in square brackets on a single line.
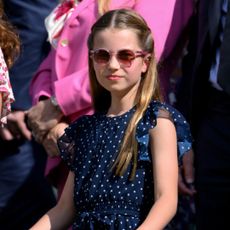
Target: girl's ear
[(146, 61)]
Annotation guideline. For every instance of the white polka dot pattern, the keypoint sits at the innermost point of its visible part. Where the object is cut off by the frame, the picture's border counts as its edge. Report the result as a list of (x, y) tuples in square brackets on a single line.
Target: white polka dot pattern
[(90, 146)]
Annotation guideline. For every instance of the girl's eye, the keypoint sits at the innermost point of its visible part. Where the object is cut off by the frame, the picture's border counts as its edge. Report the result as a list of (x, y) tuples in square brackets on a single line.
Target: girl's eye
[(126, 55), (101, 56)]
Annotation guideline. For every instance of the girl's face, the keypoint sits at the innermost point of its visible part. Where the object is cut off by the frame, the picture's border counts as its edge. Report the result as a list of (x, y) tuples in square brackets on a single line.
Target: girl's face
[(117, 74)]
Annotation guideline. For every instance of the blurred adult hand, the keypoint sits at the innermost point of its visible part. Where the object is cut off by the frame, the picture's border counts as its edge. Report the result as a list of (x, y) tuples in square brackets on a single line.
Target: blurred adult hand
[(15, 128), (186, 174), (42, 118), (50, 141)]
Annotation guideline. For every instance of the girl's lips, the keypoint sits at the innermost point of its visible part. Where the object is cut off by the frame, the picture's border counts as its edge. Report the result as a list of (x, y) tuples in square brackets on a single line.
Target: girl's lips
[(113, 77)]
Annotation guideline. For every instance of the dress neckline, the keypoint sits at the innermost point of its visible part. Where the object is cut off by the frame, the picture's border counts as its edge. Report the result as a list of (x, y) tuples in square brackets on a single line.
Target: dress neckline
[(116, 117)]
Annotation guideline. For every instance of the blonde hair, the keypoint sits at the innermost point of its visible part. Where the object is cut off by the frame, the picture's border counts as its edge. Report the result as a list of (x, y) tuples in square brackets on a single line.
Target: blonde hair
[(148, 89)]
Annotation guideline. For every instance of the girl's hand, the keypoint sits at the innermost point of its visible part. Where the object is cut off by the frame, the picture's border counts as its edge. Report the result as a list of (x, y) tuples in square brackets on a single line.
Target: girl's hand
[(50, 141)]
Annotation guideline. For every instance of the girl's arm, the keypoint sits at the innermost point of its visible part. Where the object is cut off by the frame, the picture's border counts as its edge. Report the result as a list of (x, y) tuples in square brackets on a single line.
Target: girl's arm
[(62, 215), (165, 169)]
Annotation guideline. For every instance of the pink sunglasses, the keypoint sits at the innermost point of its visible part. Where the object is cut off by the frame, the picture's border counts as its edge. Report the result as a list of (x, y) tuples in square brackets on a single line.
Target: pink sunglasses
[(125, 57)]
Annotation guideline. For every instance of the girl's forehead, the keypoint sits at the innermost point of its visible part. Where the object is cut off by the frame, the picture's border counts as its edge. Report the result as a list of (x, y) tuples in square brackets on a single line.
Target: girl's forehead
[(116, 37), (117, 31)]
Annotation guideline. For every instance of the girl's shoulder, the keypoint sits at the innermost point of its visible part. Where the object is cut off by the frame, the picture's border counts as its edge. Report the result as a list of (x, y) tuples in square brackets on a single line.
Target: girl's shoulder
[(84, 122), (84, 119), (157, 109), (81, 122)]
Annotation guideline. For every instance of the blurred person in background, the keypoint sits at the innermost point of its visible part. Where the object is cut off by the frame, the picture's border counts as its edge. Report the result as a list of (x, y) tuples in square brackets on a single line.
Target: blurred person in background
[(204, 98), (9, 49), (24, 192)]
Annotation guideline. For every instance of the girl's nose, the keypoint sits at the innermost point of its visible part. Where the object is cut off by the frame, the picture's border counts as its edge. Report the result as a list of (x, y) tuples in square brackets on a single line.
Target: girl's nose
[(113, 63)]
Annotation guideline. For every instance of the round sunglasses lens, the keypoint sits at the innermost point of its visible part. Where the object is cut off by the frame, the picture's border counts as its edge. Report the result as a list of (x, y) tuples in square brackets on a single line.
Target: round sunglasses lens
[(125, 57), (101, 56)]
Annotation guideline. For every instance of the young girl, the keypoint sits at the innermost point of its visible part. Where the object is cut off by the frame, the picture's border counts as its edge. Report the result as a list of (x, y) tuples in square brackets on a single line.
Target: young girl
[(60, 88), (123, 159), (9, 48)]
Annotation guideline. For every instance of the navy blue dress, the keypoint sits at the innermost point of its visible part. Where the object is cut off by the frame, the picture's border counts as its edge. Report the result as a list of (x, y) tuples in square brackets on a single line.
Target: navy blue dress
[(90, 146)]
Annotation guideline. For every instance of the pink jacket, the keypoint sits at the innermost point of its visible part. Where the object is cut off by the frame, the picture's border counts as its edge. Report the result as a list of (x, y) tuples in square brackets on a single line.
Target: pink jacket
[(64, 72)]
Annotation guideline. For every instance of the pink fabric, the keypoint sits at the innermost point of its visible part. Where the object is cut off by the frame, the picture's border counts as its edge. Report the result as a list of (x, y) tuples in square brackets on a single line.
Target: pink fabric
[(64, 72), (55, 22), (5, 90)]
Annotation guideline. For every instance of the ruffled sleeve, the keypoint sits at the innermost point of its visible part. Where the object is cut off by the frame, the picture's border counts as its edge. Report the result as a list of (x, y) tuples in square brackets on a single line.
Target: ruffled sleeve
[(161, 110), (5, 89), (67, 144)]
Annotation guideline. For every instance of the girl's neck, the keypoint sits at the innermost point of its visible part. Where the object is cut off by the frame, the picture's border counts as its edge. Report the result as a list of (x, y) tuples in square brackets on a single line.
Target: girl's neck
[(120, 105)]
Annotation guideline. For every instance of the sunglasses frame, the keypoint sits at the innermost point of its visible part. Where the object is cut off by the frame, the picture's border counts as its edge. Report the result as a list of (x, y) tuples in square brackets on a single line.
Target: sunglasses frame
[(136, 54)]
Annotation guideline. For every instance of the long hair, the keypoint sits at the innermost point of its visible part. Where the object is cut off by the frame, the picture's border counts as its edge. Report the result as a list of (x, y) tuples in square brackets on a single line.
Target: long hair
[(148, 89), (9, 41)]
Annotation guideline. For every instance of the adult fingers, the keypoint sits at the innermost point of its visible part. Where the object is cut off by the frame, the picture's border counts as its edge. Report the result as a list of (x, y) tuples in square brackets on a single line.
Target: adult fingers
[(25, 132), (188, 167), (184, 187)]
